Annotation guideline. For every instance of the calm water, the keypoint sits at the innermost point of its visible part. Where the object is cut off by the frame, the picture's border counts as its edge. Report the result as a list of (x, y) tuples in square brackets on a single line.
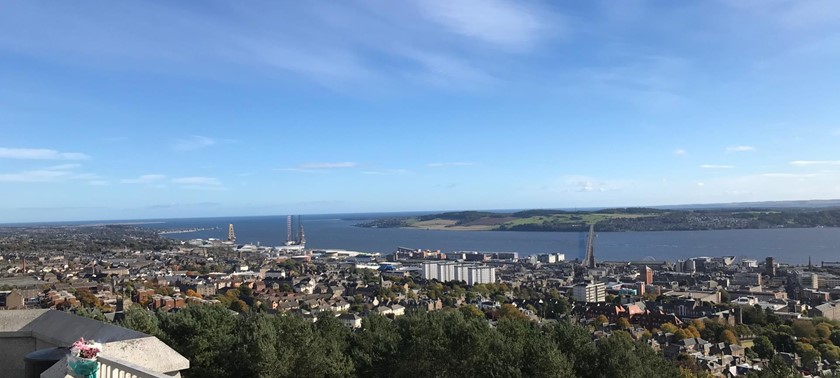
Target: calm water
[(330, 231)]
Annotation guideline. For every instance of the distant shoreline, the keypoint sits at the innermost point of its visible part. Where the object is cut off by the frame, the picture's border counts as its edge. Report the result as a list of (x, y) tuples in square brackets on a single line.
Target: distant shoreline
[(614, 220)]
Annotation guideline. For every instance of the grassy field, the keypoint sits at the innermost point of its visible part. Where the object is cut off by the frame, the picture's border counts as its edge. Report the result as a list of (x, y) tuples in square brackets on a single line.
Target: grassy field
[(450, 225), (571, 218), (488, 223)]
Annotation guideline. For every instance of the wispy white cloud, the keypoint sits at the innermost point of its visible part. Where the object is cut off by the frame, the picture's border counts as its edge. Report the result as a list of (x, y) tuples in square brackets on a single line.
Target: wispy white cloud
[(740, 149), (144, 179), (680, 152), (63, 172), (337, 45), (199, 183), (585, 184), (34, 176), (197, 180), (194, 142), (451, 164), (63, 167), (806, 163), (650, 82), (322, 167), (790, 175), (386, 172), (507, 24), (716, 166), (301, 170), (343, 164), (446, 70), (40, 154)]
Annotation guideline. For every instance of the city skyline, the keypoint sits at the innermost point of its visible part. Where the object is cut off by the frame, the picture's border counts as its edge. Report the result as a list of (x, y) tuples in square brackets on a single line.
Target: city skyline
[(160, 110)]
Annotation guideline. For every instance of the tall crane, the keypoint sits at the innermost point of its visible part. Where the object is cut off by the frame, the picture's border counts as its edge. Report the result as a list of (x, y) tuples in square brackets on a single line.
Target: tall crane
[(289, 229), (231, 234)]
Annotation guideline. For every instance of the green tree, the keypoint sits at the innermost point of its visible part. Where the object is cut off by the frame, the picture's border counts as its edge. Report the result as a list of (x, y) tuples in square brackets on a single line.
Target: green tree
[(510, 311), (470, 311), (807, 352), (141, 320), (724, 296), (829, 352), (777, 368), (823, 330), (255, 353), (804, 328), (763, 347), (375, 347), (91, 313), (206, 335)]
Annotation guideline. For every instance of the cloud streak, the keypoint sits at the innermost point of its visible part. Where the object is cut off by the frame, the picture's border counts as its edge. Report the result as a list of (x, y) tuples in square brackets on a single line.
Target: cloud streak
[(344, 164), (63, 172), (194, 142), (810, 163), (40, 154), (451, 164), (740, 149), (197, 180), (506, 24), (385, 172), (144, 179)]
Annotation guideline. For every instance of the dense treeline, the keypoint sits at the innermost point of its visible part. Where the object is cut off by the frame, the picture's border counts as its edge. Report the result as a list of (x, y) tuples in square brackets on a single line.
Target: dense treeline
[(440, 344), (463, 217), (683, 220)]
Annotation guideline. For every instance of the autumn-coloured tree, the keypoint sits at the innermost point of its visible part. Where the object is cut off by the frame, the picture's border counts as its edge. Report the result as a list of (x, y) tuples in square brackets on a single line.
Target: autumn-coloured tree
[(729, 337), (623, 323)]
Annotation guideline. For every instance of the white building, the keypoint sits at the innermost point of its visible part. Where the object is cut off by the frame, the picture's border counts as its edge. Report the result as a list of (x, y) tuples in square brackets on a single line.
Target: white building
[(590, 292), (350, 320), (450, 271), (552, 258)]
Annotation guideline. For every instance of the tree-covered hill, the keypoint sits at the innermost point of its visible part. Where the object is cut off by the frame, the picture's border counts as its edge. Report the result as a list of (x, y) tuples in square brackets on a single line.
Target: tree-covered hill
[(618, 219)]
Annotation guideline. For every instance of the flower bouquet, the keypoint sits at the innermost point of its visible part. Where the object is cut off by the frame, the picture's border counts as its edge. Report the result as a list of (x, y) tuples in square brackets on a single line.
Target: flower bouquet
[(82, 362)]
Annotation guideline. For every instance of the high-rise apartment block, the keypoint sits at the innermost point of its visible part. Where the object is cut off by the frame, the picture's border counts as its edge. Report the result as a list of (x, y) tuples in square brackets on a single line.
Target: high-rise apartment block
[(451, 271), (590, 292)]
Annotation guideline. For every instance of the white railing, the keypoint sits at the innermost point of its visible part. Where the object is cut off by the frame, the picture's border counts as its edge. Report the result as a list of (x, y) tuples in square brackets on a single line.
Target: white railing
[(110, 367)]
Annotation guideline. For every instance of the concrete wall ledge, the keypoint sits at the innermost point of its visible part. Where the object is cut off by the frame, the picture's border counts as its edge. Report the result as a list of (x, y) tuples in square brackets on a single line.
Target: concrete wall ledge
[(15, 334), (47, 328)]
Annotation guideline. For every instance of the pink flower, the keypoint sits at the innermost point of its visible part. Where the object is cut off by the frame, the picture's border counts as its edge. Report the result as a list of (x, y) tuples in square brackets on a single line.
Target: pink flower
[(86, 349)]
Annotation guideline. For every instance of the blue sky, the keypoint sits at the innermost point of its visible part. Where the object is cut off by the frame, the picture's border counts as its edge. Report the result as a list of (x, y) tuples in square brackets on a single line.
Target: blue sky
[(178, 109)]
